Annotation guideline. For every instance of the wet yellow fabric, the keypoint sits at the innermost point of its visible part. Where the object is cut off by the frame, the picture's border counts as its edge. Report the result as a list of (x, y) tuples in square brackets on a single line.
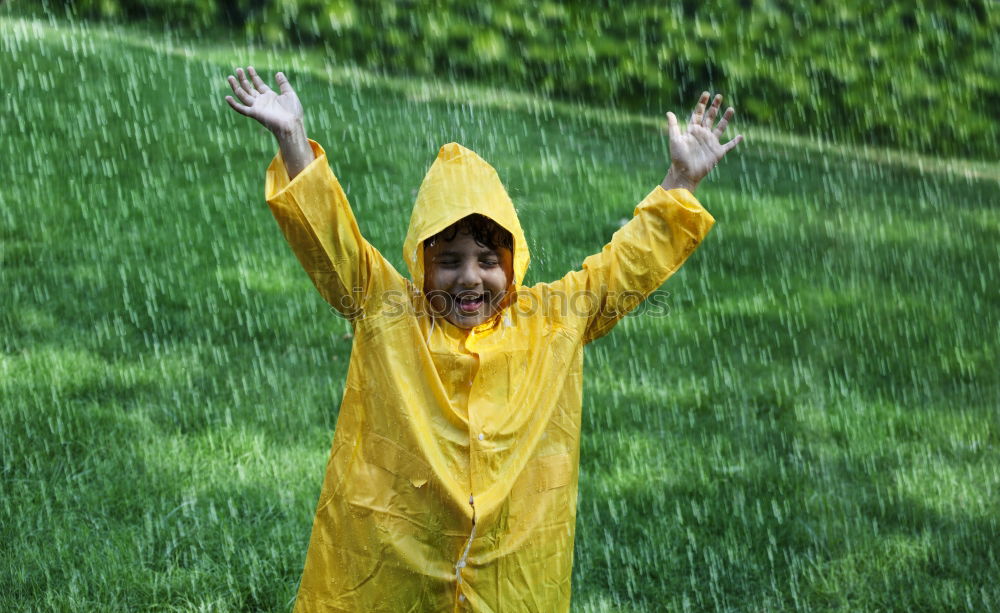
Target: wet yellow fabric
[(452, 480)]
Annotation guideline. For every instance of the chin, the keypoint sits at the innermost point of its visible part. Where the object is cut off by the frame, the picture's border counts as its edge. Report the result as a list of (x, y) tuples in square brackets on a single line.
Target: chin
[(466, 323)]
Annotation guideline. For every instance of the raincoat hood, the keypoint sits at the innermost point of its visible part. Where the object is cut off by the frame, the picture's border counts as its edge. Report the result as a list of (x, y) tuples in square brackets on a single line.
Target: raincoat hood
[(458, 184)]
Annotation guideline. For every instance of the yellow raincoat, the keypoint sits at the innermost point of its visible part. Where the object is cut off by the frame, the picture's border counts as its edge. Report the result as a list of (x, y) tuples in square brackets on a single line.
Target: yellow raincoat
[(452, 481)]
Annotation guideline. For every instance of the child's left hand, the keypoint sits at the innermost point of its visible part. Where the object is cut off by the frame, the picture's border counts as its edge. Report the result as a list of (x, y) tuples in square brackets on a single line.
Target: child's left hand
[(697, 150)]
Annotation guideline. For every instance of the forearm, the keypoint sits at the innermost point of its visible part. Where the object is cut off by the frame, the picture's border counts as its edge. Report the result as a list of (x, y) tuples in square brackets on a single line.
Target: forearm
[(664, 230), (295, 149), (316, 219)]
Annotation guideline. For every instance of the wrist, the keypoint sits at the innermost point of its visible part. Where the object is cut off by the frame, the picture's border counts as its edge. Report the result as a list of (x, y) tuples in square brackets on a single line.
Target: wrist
[(295, 150), (677, 180), (294, 131)]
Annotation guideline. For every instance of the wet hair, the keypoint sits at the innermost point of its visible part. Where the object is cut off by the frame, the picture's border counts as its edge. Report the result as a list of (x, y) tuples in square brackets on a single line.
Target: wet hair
[(485, 231)]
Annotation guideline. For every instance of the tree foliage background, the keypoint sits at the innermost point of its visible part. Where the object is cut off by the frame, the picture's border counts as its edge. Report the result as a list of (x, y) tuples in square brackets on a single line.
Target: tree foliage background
[(921, 75)]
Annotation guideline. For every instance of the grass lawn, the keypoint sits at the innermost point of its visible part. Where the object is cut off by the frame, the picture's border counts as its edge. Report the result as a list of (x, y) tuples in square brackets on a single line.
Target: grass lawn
[(813, 426)]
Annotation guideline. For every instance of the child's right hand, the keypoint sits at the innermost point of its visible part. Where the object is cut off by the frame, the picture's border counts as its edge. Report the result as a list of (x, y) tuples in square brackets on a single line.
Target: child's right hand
[(279, 113)]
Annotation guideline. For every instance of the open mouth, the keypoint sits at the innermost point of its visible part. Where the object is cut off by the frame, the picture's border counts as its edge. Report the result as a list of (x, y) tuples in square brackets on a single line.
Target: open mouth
[(470, 303)]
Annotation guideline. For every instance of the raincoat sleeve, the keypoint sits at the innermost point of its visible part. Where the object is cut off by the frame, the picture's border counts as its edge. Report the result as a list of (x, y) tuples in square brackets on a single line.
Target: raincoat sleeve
[(666, 228), (316, 219)]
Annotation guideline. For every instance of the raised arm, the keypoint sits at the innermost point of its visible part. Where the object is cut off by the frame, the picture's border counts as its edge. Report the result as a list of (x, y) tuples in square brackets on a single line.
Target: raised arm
[(309, 204), (665, 229)]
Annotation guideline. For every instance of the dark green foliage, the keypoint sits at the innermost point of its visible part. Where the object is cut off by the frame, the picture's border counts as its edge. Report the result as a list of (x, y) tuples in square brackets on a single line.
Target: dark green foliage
[(920, 75)]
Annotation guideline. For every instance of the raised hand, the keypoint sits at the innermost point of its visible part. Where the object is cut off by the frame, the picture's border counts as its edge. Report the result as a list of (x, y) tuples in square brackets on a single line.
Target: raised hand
[(281, 113), (696, 150)]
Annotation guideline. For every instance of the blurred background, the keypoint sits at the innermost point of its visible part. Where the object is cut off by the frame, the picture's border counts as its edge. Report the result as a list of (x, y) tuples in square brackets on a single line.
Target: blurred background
[(922, 76)]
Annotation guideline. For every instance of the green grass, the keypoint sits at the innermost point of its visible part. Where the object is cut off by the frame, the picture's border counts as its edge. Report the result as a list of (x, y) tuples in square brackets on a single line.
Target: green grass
[(813, 427)]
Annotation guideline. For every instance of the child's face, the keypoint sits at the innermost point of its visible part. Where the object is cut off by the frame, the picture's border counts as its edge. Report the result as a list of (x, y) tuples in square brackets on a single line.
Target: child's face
[(466, 281)]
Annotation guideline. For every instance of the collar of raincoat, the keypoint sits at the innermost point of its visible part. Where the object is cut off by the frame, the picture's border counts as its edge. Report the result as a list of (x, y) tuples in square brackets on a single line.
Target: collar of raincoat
[(460, 183)]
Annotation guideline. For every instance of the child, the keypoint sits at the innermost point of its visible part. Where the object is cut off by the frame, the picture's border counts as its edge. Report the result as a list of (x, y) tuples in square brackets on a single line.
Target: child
[(452, 481)]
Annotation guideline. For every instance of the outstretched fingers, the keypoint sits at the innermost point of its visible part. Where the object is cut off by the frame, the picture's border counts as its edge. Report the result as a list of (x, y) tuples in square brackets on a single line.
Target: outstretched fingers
[(245, 83), (257, 81), (241, 93), (699, 110), (713, 111), (239, 108), (283, 85), (732, 144), (721, 126)]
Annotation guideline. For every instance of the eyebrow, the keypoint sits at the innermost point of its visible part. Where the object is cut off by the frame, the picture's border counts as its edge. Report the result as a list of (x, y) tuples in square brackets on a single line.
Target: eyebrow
[(480, 253)]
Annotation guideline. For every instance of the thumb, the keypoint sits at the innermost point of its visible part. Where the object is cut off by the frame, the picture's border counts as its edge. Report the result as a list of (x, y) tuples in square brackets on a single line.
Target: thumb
[(672, 127)]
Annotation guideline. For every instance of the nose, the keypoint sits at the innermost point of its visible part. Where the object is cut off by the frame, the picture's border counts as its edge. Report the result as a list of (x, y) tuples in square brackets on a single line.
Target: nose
[(468, 275)]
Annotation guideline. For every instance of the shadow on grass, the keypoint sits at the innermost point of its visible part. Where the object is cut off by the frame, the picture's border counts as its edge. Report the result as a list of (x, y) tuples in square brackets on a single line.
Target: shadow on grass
[(750, 501)]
